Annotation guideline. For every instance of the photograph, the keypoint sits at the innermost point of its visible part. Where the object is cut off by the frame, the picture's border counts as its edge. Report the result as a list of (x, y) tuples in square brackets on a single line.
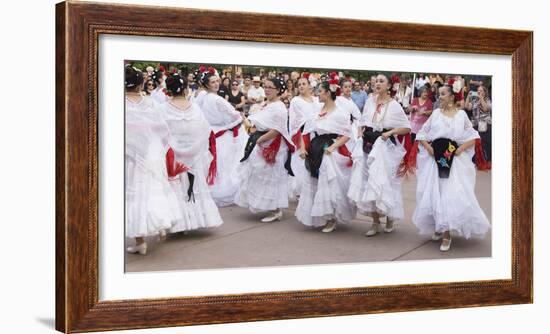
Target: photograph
[(246, 165)]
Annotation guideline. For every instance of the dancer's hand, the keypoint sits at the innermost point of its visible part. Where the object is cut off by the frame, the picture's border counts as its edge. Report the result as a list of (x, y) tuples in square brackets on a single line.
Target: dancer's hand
[(303, 153), (386, 135), (430, 150), (459, 150)]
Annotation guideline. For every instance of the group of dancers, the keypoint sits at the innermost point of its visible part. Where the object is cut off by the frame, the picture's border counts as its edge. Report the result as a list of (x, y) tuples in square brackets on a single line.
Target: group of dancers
[(189, 153)]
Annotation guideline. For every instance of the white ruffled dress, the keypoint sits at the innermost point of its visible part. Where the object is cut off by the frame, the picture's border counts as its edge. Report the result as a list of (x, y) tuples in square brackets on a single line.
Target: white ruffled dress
[(221, 116), (299, 111), (375, 187), (264, 186), (189, 140), (324, 198), (448, 204), (151, 204)]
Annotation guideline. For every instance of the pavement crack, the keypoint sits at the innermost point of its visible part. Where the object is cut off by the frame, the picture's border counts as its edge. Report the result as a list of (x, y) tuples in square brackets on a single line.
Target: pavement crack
[(412, 250)]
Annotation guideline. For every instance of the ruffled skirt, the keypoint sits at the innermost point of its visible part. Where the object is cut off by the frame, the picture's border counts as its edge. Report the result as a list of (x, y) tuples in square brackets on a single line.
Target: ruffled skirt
[(263, 187), (151, 204), (229, 151), (325, 198), (448, 204), (200, 211), (300, 172), (375, 187)]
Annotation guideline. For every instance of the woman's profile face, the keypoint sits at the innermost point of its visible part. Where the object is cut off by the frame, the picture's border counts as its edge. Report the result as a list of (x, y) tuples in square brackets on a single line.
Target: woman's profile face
[(324, 95), (214, 84)]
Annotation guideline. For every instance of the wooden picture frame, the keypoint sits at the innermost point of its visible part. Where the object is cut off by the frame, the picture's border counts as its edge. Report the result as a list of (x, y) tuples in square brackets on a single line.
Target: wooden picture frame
[(78, 27)]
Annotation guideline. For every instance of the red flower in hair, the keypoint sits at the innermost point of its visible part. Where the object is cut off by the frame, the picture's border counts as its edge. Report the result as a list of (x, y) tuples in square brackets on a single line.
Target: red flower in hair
[(333, 75), (459, 96), (174, 71), (212, 70), (161, 68), (451, 82), (306, 75), (333, 81), (202, 68)]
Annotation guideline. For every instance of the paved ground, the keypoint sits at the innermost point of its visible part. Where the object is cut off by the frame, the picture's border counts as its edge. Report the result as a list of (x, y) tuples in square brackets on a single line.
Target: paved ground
[(243, 241)]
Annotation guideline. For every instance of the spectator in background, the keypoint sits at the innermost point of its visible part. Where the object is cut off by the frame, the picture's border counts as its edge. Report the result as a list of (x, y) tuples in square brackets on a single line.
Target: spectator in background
[(256, 94), (421, 81), (236, 97), (224, 88), (247, 83), (291, 90), (149, 87), (193, 86), (404, 93), (475, 82), (435, 93), (480, 105), (358, 95), (420, 110)]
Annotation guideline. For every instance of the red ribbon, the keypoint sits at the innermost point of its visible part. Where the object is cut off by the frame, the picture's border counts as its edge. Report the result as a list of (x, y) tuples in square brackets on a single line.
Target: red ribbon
[(405, 165), (296, 139), (343, 150)]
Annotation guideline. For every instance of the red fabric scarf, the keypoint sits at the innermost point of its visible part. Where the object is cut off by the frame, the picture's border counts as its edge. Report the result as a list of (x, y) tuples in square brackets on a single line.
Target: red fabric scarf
[(270, 152), (213, 169)]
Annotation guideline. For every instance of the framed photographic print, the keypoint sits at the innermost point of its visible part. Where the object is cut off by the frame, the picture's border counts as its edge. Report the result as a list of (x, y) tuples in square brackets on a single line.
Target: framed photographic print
[(211, 172)]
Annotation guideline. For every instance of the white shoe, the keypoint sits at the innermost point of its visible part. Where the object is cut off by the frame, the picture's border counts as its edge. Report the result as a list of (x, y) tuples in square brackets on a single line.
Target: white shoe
[(329, 227), (373, 230), (162, 235), (445, 245), (437, 236), (277, 215), (389, 226), (141, 249)]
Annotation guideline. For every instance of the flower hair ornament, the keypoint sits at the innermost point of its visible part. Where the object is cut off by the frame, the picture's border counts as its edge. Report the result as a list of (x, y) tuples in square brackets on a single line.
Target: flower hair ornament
[(282, 84), (205, 74), (456, 88), (334, 83)]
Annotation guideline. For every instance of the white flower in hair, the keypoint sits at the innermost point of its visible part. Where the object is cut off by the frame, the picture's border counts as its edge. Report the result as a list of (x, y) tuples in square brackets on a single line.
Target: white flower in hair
[(457, 86)]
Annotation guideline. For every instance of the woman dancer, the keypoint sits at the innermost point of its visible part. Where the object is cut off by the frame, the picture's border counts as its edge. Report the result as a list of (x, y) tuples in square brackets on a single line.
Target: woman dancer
[(151, 205), (323, 200), (264, 169), (303, 107), (227, 140), (375, 184), (445, 197), (189, 132)]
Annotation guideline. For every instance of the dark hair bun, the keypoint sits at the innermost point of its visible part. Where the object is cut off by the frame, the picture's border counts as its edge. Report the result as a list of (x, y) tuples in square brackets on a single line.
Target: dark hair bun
[(132, 77), (176, 84)]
